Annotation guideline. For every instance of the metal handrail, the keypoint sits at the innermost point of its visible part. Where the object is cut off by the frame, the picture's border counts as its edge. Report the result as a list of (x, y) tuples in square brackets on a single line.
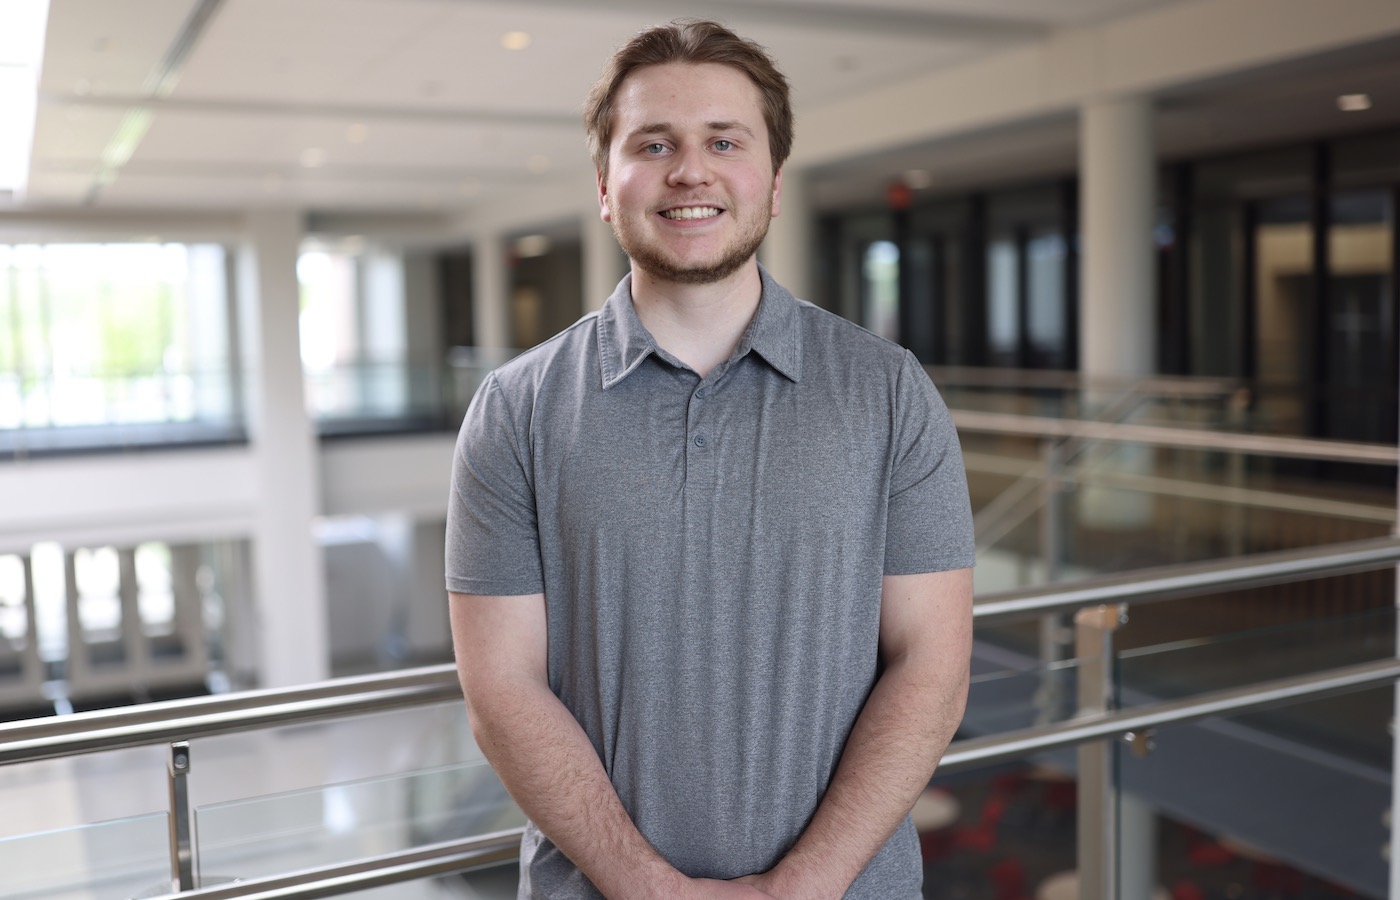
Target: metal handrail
[(424, 861), (1167, 436), (1193, 386), (184, 720), (455, 856), (190, 719), (1016, 744), (1193, 579)]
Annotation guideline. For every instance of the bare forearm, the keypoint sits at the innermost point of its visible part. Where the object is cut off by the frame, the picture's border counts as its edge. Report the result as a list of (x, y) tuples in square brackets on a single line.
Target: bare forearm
[(894, 747), (552, 771)]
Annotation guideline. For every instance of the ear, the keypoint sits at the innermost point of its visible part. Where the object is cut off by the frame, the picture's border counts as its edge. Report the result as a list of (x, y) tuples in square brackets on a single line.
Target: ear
[(603, 212), (777, 193)]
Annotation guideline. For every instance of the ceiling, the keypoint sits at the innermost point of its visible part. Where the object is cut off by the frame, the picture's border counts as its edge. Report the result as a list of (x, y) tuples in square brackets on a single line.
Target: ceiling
[(392, 106)]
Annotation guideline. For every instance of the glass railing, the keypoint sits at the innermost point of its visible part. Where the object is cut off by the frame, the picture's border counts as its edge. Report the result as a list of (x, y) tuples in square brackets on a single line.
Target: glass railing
[(1242, 810), (111, 860), (1057, 500), (83, 412), (363, 783)]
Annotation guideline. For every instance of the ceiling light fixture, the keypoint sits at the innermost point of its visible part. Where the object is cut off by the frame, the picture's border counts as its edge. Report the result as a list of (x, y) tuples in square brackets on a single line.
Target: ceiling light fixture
[(1354, 102), (21, 52), (313, 158), (515, 40), (357, 133), (531, 245)]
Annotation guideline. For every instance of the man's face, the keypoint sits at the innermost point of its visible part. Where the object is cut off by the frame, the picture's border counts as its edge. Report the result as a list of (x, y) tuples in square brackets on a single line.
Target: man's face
[(690, 187)]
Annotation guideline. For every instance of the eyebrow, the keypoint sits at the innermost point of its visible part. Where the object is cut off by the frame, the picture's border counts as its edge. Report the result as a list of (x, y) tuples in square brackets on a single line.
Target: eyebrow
[(667, 127)]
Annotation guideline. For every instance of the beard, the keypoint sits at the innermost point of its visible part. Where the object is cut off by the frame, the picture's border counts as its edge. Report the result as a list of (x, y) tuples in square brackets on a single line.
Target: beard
[(650, 257)]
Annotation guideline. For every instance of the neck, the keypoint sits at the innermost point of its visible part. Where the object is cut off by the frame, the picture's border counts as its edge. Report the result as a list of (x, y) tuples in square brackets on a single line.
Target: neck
[(699, 324)]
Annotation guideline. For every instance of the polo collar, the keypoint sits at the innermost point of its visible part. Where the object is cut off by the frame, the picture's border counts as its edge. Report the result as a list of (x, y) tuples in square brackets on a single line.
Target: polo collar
[(774, 334)]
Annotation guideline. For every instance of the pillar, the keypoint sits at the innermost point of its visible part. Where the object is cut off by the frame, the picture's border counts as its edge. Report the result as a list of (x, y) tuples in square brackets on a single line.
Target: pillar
[(1118, 213), (604, 263), (289, 581), (787, 251), (1118, 265), (490, 302)]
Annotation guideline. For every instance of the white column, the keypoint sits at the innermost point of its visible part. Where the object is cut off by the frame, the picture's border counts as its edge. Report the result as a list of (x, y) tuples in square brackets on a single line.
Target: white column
[(1117, 214), (490, 303), (289, 582), (787, 251), (604, 263), (1117, 211)]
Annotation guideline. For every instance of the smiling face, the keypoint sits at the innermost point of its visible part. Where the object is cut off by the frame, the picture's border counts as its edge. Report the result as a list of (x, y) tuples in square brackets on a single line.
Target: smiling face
[(690, 187)]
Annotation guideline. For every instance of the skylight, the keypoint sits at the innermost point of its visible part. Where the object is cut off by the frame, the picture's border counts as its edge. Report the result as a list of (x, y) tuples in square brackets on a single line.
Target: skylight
[(21, 53)]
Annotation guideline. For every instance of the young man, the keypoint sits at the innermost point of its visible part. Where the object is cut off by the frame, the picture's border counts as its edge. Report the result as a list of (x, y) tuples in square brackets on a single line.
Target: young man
[(709, 549)]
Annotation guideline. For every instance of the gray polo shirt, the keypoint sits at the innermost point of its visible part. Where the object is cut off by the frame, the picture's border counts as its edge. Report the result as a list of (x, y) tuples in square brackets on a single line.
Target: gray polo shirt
[(711, 553)]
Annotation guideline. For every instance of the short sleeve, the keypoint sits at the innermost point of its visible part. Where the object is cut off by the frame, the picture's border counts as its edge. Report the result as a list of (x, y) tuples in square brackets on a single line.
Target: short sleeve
[(929, 519), (492, 531)]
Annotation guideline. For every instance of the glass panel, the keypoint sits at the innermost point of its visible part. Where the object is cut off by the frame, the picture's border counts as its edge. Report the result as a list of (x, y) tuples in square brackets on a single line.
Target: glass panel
[(1284, 305), (1045, 266), (1004, 324), (1011, 688), (1237, 656), (1360, 404), (1249, 806), (1124, 507), (106, 861), (114, 344), (881, 289), (342, 822)]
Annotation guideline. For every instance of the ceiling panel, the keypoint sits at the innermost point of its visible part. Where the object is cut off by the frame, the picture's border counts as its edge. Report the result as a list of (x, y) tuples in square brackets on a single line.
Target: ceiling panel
[(1048, 12), (282, 140), (175, 191), (98, 47), (57, 188), (65, 133)]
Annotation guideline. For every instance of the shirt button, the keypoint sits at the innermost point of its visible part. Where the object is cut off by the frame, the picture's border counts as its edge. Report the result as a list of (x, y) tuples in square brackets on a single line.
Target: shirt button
[(699, 440), (700, 394)]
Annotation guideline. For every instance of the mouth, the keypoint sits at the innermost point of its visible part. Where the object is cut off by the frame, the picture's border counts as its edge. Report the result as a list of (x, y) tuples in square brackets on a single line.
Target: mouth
[(691, 212)]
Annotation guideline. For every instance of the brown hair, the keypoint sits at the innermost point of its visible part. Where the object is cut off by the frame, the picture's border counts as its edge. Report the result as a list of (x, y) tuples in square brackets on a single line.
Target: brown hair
[(690, 41)]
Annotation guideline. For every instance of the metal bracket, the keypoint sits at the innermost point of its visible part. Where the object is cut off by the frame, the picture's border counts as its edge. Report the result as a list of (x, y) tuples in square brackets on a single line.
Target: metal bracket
[(181, 838)]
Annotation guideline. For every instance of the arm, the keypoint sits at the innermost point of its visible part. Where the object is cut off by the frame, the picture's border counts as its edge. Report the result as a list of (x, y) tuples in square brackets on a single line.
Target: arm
[(901, 733), (544, 758)]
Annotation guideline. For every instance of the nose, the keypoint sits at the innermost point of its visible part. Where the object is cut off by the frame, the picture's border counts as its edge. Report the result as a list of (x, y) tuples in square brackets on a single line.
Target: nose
[(689, 165)]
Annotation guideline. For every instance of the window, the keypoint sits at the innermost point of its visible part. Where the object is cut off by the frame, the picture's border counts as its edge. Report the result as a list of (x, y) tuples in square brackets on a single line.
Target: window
[(114, 334)]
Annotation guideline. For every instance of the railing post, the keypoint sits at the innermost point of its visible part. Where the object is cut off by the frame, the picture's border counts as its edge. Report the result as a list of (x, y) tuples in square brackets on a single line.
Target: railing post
[(181, 842), (1052, 701), (1098, 783)]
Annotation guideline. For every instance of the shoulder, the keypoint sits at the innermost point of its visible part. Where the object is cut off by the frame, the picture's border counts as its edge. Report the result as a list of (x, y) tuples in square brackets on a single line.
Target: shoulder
[(827, 332), (858, 362), (558, 357)]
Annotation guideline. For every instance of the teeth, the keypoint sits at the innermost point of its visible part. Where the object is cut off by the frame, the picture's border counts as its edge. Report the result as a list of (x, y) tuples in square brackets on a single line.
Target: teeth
[(691, 212)]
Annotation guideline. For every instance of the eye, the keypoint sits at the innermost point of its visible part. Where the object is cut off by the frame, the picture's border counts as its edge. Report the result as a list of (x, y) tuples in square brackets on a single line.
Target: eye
[(723, 145), (655, 148)]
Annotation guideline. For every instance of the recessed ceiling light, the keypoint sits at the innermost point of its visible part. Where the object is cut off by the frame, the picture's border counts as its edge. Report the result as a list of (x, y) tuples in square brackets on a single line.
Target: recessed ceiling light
[(515, 40), (1354, 102), (537, 163), (357, 133), (313, 158), (531, 245)]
